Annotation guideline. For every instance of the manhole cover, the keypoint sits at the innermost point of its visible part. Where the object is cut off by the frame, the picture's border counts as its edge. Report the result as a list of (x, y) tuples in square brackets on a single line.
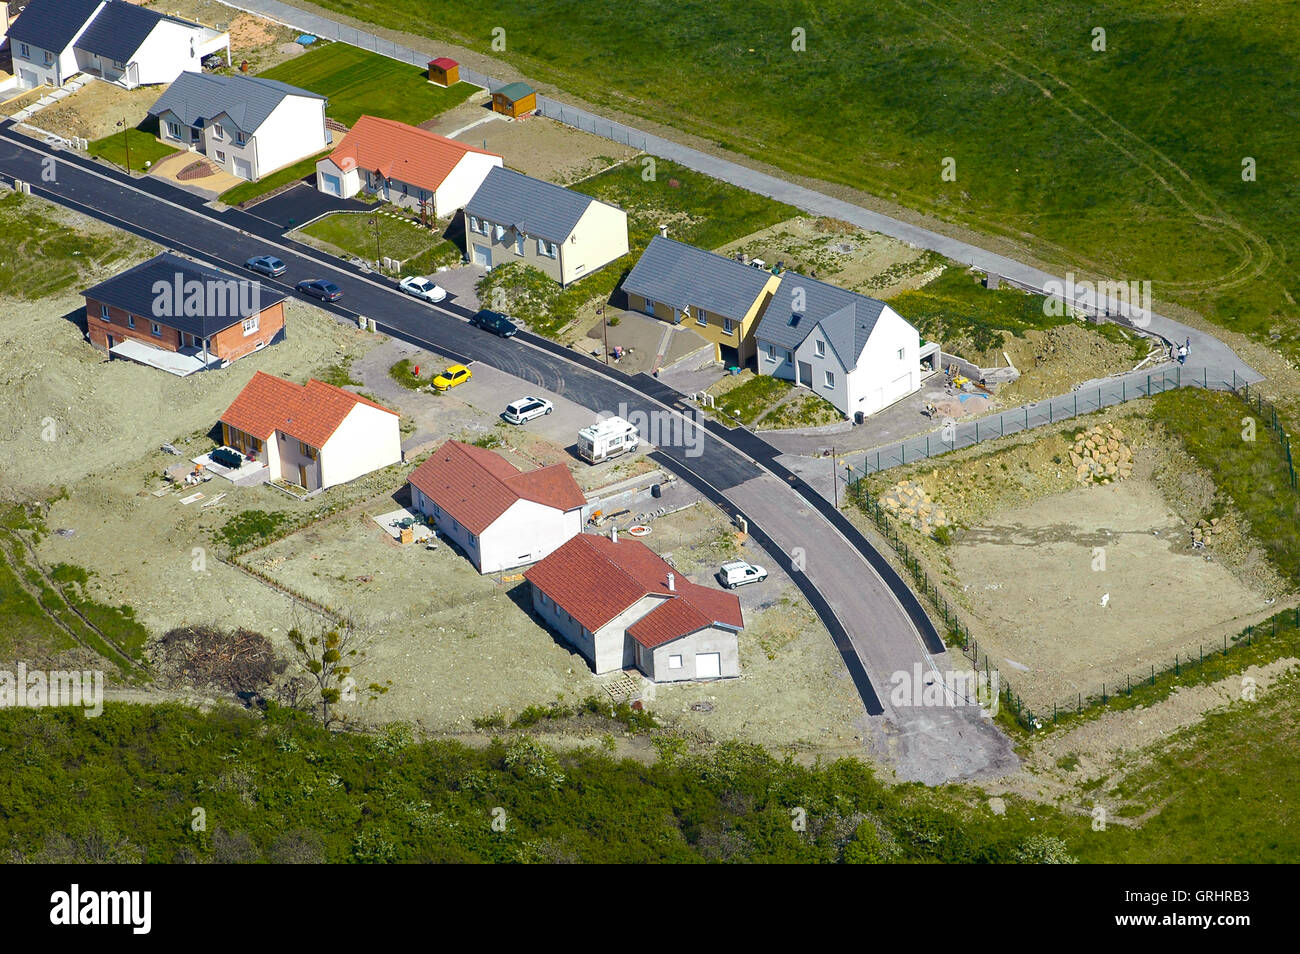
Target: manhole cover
[(701, 706)]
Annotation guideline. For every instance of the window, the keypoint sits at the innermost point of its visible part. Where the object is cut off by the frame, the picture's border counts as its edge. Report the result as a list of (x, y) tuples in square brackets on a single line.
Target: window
[(306, 450), (820, 348), (788, 357), (217, 131), (546, 248), (674, 662), (473, 223), (103, 313), (49, 57), (130, 321), (174, 130), (900, 354), (250, 324), (771, 352), (119, 65), (241, 139), (500, 232), (701, 317), (726, 326), (830, 379), (649, 307), (221, 156), (519, 243), (155, 329), (24, 51)]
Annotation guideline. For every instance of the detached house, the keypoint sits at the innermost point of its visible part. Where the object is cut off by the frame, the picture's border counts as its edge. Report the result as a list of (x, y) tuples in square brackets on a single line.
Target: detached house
[(621, 605), (404, 165), (314, 435), (516, 218), (500, 516), (854, 351), (247, 125), (718, 297), (179, 316), (127, 44)]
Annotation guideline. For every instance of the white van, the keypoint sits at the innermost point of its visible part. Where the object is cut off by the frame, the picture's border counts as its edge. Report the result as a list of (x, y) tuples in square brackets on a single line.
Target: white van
[(607, 438)]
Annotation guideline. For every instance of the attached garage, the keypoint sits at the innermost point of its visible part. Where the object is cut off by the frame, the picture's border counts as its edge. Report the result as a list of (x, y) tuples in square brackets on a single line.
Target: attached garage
[(243, 168), (708, 665), (482, 256), (331, 183)]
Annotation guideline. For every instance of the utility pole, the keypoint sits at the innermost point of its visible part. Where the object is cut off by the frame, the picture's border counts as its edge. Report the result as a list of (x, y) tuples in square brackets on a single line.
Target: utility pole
[(835, 481), (374, 220), (604, 324), (126, 141)]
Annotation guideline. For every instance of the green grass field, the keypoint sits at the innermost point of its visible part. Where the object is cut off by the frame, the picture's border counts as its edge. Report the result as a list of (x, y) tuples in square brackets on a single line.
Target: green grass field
[(421, 250), (1127, 162), (358, 82), (144, 148)]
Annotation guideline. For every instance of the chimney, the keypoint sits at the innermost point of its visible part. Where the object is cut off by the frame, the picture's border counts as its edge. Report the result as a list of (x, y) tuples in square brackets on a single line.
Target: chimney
[(613, 534), (672, 583), (663, 230)]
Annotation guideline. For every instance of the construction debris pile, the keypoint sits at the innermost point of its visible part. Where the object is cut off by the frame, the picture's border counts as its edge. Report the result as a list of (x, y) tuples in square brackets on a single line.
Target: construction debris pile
[(1204, 531), (908, 500), (1100, 455)]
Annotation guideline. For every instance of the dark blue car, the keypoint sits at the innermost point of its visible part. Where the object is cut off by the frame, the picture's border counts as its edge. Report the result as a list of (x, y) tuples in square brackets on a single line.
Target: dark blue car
[(494, 322)]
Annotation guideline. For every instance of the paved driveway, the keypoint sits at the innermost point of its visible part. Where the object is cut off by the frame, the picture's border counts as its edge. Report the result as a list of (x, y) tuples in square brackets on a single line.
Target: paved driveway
[(300, 204)]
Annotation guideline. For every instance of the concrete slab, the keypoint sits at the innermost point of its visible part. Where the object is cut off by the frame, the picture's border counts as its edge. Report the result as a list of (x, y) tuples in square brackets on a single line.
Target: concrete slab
[(394, 521)]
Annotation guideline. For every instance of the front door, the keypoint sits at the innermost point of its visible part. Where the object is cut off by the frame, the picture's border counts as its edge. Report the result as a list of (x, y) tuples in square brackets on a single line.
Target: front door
[(805, 374), (302, 476), (110, 342)]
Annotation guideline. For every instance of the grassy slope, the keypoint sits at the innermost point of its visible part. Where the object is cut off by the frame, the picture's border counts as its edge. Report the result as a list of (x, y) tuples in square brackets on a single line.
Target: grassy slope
[(145, 147), (421, 249), (252, 190), (1126, 161), (43, 256), (358, 82)]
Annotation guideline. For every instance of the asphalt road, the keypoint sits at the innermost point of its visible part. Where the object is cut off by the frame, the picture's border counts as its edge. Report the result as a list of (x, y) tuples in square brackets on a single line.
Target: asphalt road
[(876, 622)]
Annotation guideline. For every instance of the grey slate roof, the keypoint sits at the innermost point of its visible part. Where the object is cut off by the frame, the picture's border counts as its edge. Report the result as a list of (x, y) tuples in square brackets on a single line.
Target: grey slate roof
[(119, 29), (196, 98), (846, 318), (534, 207), (133, 291), (51, 24), (678, 274)]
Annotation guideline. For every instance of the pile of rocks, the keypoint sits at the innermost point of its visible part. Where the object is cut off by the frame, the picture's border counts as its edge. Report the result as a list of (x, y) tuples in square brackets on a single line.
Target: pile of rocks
[(1100, 455), (908, 501), (1204, 531)]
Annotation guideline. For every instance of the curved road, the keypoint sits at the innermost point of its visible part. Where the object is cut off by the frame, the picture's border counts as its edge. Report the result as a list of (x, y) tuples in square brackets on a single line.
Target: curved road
[(877, 623)]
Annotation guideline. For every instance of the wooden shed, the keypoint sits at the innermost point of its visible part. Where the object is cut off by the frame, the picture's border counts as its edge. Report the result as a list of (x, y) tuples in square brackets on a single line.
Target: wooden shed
[(515, 100), (444, 71)]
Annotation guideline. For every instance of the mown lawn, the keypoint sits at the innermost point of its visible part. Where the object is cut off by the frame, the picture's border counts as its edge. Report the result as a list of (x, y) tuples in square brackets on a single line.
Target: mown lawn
[(358, 83), (1100, 160), (254, 190), (747, 401), (420, 250), (144, 148)]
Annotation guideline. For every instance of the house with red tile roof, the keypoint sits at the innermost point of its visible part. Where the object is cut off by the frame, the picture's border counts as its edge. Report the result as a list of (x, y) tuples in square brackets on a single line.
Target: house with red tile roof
[(500, 516), (405, 165), (621, 605), (314, 435)]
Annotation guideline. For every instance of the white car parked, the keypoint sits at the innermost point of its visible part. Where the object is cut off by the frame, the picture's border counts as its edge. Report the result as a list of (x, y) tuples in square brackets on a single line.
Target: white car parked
[(527, 408), (422, 288), (735, 573)]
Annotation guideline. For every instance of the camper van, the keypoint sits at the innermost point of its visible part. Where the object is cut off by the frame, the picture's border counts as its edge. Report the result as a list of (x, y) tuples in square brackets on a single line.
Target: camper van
[(605, 439)]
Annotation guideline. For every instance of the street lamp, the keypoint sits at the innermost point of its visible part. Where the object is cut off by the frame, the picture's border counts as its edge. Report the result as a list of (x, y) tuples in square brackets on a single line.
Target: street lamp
[(374, 220), (604, 322)]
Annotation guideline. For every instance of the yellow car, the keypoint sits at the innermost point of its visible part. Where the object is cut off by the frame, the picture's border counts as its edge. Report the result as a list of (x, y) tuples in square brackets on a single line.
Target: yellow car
[(456, 374)]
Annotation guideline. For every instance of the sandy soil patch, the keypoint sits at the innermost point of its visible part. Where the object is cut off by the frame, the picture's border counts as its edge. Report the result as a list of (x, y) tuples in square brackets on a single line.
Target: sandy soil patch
[(252, 38), (1052, 362), (535, 146), (1066, 626), (842, 254), (97, 110)]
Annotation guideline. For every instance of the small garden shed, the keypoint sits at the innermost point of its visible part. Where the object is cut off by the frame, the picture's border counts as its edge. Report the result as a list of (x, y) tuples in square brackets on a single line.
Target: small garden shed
[(515, 100)]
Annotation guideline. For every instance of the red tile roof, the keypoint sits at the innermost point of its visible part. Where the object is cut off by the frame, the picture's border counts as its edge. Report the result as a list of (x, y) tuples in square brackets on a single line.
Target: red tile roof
[(309, 412), (594, 579), (398, 151), (443, 63), (477, 486)]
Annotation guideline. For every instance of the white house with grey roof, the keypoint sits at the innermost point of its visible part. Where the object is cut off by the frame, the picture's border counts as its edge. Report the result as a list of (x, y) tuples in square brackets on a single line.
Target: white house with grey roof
[(54, 40), (247, 125), (565, 234), (854, 351)]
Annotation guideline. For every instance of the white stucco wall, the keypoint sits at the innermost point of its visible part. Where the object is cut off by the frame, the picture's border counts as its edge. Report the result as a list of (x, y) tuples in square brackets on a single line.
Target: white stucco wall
[(525, 533), (367, 440), (294, 130), (462, 182), (711, 639), (349, 180), (169, 50), (599, 237), (882, 377)]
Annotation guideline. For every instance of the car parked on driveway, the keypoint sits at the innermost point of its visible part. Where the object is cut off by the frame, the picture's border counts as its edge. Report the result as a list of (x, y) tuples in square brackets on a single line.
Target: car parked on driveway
[(456, 375), (422, 288), (527, 408), (266, 265), (494, 322), (320, 288), (736, 573)]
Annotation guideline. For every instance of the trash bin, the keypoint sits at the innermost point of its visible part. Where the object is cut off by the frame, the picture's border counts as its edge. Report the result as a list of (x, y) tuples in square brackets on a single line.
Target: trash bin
[(656, 491), (859, 417)]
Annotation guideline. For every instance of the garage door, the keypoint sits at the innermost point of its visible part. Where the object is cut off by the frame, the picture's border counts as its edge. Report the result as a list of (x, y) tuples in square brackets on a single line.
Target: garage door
[(483, 256), (332, 184), (28, 79), (708, 665), (243, 168)]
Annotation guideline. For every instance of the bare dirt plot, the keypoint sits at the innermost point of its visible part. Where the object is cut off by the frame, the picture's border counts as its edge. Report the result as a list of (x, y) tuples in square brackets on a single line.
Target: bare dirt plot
[(101, 413), (97, 110), (252, 38), (841, 253), (535, 146), (1065, 627)]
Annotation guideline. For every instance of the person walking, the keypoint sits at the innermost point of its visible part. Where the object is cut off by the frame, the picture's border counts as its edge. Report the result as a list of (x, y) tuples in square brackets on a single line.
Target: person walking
[(1182, 353)]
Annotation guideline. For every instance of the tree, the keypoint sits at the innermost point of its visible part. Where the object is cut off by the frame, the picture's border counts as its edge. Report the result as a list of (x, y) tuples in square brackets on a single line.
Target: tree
[(327, 650)]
